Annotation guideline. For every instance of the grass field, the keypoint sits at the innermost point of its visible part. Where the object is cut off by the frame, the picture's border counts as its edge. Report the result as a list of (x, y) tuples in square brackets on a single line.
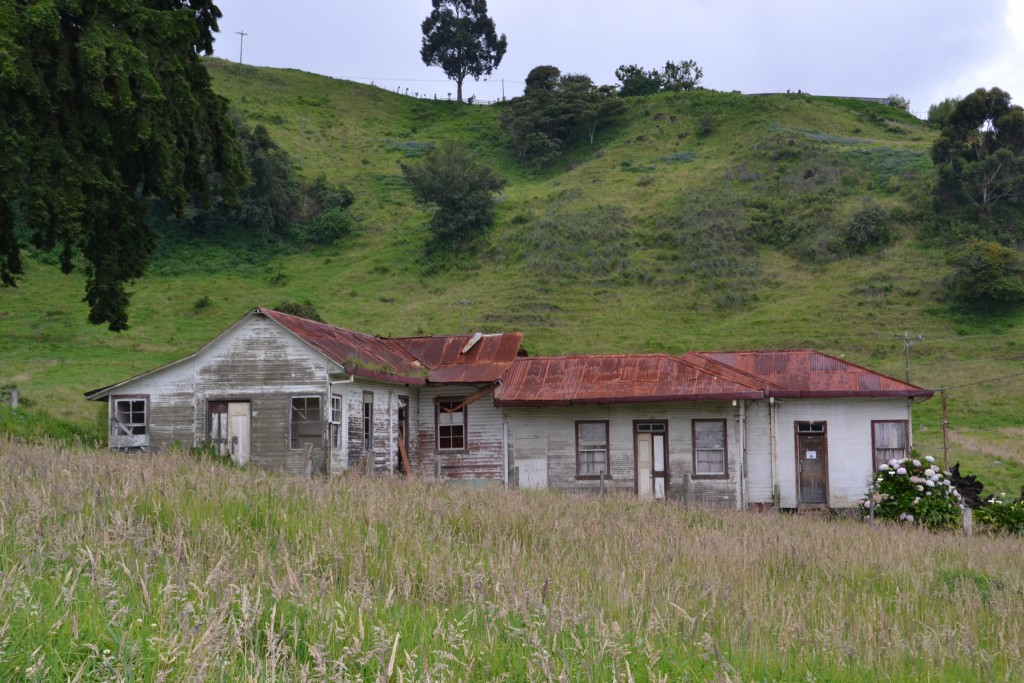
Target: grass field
[(141, 568)]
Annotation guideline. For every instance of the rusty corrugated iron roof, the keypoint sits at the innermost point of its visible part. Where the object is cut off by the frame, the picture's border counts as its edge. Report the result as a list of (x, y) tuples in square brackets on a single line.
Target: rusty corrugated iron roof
[(805, 373), (360, 354), (464, 358), (617, 378)]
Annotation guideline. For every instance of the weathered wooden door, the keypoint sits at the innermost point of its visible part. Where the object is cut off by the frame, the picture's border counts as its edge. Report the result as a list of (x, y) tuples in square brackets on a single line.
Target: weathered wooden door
[(651, 460), (812, 463), (239, 433), (229, 429)]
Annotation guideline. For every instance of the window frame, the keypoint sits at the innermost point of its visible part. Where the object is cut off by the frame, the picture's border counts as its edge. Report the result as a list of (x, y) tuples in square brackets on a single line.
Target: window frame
[(367, 422), (724, 474), (438, 400), (607, 474), (874, 440), (292, 422), (337, 412), (121, 440)]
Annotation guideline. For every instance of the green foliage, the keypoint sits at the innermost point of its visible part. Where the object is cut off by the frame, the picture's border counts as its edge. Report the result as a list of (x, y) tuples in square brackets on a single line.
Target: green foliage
[(459, 37), (986, 274), (899, 101), (107, 104), (913, 490), (304, 309), (556, 112), (868, 228), (938, 114), (29, 423), (635, 81), (979, 156), (460, 188), (1001, 515)]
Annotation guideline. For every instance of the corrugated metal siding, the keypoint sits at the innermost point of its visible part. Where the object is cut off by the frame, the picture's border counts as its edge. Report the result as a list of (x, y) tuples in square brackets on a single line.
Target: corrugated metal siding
[(483, 457), (850, 462), (550, 433)]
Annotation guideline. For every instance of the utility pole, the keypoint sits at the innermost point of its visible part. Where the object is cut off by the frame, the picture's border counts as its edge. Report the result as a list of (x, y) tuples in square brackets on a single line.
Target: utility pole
[(241, 41), (907, 343), (945, 431)]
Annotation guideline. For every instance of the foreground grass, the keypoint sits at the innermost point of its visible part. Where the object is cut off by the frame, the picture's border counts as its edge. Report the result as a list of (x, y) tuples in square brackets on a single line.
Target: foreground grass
[(171, 568)]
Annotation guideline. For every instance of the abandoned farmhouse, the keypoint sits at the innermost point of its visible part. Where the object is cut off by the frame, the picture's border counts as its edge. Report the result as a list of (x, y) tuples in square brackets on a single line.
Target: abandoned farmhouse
[(792, 428)]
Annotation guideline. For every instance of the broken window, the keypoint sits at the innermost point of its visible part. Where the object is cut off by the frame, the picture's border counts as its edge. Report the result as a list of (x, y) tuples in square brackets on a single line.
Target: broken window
[(890, 440), (592, 449), (307, 422), (451, 423), (710, 458), (129, 426), (367, 420)]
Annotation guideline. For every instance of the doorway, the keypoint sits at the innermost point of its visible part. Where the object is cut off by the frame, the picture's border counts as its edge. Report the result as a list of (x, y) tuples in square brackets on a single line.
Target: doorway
[(651, 454), (229, 429), (812, 463)]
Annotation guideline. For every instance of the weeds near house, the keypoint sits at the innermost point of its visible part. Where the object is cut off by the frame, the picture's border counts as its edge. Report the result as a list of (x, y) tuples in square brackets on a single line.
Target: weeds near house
[(164, 567)]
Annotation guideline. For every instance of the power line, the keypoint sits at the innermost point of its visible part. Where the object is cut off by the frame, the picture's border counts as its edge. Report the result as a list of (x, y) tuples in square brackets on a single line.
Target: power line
[(984, 381)]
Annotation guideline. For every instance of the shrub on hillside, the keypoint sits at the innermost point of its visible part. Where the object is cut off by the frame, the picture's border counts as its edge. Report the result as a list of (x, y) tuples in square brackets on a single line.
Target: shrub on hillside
[(868, 228), (913, 490), (986, 274)]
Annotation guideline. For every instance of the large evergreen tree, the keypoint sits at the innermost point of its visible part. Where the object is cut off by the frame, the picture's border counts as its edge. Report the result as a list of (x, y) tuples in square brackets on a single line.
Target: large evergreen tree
[(979, 155), (106, 104), (459, 37)]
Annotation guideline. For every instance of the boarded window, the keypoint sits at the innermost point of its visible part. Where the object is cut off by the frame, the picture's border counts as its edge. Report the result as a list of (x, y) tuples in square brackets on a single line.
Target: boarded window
[(890, 440), (710, 458), (591, 449), (367, 420), (307, 423), (451, 423)]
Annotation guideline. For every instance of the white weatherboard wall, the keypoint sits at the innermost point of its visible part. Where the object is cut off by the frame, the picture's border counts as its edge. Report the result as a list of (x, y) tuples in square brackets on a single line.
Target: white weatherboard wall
[(850, 461), (759, 453), (482, 459), (549, 434)]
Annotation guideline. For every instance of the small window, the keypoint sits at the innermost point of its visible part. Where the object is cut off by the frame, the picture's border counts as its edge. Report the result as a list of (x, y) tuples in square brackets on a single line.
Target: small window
[(367, 420), (336, 422), (129, 423), (890, 440), (307, 426), (710, 458), (592, 449), (451, 424)]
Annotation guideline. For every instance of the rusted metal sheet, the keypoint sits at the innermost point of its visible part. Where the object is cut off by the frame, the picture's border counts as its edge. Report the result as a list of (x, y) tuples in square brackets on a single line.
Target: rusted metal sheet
[(360, 354), (464, 358), (621, 378), (805, 373)]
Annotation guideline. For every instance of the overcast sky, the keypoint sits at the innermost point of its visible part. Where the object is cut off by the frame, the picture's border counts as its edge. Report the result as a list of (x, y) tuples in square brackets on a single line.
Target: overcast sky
[(924, 50)]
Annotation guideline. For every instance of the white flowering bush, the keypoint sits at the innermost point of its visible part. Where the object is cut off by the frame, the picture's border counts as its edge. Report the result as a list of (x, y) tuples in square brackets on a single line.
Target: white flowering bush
[(913, 490), (1001, 515)]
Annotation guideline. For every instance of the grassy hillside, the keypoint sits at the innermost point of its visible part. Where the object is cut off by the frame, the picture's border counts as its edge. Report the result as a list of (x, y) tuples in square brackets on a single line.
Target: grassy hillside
[(134, 568), (659, 237)]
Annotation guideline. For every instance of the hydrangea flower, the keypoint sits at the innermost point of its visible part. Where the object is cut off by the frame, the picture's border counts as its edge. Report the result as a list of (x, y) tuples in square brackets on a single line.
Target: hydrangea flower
[(929, 458), (929, 473), (917, 463), (883, 467), (902, 470)]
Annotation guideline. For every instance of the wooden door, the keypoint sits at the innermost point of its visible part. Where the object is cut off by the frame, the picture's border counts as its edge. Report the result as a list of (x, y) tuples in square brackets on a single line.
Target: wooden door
[(239, 435), (644, 461), (651, 459), (812, 463)]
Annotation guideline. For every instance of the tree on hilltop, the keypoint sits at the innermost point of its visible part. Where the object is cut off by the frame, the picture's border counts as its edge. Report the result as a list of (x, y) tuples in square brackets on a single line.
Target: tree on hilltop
[(107, 105), (979, 155), (459, 37)]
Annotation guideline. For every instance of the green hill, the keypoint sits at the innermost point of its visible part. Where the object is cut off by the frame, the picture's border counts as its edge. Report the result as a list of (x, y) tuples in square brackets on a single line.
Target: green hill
[(697, 220)]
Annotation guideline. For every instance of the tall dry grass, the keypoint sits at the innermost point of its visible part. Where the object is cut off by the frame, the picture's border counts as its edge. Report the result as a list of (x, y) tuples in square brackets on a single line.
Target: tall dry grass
[(160, 568)]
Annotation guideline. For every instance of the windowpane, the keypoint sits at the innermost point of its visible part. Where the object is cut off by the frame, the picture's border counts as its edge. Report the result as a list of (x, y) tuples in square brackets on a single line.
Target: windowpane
[(451, 424), (890, 438), (591, 449), (307, 425), (367, 420), (129, 417), (709, 447)]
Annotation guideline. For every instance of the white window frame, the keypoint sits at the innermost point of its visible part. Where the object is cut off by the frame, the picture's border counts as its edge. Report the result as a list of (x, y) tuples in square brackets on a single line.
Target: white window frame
[(133, 434), (298, 441)]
